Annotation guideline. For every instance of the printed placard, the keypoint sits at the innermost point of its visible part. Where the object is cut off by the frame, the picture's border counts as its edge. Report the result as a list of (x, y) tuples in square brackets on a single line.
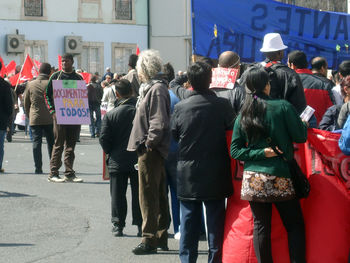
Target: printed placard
[(71, 102), (224, 78)]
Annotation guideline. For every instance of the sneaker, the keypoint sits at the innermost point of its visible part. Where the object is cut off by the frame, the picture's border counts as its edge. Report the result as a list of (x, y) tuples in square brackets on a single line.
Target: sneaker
[(55, 179), (73, 179), (2, 170), (177, 236), (144, 249), (163, 247), (118, 232)]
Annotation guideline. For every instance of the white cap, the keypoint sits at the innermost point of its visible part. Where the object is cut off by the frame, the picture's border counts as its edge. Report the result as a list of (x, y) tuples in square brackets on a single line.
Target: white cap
[(272, 42)]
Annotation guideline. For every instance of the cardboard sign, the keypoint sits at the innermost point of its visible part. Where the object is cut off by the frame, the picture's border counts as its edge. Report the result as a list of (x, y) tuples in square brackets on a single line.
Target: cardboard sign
[(224, 78), (71, 102)]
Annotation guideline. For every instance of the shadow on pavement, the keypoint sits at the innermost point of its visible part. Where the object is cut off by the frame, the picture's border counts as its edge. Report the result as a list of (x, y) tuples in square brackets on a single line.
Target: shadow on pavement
[(8, 194), (15, 245)]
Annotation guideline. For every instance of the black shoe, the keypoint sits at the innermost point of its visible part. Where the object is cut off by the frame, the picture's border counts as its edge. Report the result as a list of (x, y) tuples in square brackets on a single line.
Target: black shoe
[(144, 249), (38, 171), (164, 248), (118, 232), (139, 232)]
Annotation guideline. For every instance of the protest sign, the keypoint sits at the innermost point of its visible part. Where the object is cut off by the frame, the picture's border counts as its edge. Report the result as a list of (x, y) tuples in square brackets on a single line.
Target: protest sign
[(224, 78), (240, 26), (71, 102)]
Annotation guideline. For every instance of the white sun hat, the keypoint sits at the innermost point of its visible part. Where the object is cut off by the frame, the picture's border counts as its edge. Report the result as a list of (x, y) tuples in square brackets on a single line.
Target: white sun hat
[(272, 42)]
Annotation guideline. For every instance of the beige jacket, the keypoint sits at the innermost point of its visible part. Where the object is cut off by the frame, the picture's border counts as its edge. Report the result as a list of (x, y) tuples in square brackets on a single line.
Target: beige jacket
[(34, 101)]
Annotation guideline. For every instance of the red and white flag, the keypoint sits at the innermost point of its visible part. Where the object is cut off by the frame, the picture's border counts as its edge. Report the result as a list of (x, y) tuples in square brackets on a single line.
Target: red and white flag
[(137, 50), (86, 76), (28, 70)]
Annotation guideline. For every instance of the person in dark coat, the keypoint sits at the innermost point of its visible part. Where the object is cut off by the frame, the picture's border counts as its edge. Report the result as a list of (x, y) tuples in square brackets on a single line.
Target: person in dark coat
[(115, 132), (6, 108), (199, 124), (95, 94)]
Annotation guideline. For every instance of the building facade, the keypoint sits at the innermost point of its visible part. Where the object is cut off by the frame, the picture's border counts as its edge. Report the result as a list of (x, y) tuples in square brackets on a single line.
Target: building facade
[(100, 33)]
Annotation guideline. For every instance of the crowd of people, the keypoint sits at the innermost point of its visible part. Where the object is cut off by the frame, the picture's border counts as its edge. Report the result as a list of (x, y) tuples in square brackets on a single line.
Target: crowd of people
[(164, 131)]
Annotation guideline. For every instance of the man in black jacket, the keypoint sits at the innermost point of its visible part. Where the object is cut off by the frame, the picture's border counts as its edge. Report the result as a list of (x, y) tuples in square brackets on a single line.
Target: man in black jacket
[(115, 132), (199, 124), (6, 108)]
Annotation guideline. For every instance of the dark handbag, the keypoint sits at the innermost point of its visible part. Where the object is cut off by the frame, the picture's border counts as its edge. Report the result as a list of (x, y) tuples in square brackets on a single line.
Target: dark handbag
[(300, 182)]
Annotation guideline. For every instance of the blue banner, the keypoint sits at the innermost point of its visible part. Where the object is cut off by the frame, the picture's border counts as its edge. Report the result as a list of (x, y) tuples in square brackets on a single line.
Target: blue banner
[(240, 26)]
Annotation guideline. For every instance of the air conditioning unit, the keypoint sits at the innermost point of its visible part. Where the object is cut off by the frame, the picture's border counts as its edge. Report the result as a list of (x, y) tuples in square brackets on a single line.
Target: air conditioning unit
[(73, 44), (15, 43)]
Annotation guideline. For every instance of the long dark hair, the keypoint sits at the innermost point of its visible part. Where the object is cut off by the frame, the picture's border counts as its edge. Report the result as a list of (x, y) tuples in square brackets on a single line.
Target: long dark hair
[(254, 108)]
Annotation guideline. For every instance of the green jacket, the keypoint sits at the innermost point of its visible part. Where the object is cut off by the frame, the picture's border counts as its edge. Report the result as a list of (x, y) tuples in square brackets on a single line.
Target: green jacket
[(284, 127)]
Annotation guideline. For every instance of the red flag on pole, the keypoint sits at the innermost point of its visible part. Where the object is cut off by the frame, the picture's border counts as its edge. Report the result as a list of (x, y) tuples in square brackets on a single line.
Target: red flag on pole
[(13, 80), (37, 65), (59, 62), (137, 50), (3, 68), (11, 68), (86, 76), (28, 70)]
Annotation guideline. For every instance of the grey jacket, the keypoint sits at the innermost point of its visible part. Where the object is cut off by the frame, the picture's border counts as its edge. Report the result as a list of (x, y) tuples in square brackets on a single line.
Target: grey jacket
[(343, 114), (151, 125)]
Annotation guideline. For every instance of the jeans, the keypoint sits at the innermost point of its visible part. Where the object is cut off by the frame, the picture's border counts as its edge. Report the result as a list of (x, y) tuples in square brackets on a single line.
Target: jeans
[(118, 187), (171, 170), (191, 213), (37, 132), (2, 140), (292, 218), (95, 126)]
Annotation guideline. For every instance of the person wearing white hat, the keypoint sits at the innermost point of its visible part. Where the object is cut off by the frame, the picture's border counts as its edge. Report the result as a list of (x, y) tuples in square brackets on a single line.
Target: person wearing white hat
[(285, 83)]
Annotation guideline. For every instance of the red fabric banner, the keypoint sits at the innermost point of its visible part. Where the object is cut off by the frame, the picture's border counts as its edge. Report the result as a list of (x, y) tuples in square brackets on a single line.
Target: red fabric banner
[(3, 68), (86, 76), (59, 62), (13, 80), (326, 211), (11, 68)]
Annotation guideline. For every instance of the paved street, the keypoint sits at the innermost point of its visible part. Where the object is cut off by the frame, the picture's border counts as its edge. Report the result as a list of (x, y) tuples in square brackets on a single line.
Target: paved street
[(46, 222)]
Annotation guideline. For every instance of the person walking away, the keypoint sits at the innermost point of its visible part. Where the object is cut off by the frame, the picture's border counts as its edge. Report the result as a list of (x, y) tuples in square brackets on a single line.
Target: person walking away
[(95, 93), (266, 177), (115, 132), (150, 138), (6, 109), (66, 136), (40, 120)]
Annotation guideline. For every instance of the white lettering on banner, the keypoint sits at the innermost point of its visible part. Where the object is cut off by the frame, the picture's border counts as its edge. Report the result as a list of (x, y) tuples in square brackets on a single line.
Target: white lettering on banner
[(223, 78)]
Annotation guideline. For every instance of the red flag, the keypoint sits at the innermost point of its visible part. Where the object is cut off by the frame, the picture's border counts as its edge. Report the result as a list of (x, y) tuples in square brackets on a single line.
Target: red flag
[(11, 68), (3, 68), (59, 62), (28, 70), (137, 50), (86, 76), (14, 79), (37, 65)]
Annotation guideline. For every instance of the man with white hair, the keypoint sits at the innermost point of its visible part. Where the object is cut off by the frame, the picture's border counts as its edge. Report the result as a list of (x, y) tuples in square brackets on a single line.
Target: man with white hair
[(150, 138)]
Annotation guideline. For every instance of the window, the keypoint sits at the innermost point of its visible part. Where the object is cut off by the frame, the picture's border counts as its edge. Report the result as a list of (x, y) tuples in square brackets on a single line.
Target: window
[(120, 56), (91, 59), (37, 49), (123, 11), (33, 7), (90, 11)]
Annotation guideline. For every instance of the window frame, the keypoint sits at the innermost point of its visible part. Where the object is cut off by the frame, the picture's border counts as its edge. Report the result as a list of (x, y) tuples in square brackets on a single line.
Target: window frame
[(32, 43), (80, 11), (100, 46), (41, 18), (121, 45), (122, 21)]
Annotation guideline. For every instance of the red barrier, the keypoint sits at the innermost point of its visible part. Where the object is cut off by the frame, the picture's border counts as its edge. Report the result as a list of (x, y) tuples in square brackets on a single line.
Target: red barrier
[(326, 211)]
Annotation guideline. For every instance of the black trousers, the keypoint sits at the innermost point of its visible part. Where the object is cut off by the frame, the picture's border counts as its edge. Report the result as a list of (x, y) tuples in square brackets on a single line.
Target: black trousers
[(118, 187), (37, 132), (292, 218)]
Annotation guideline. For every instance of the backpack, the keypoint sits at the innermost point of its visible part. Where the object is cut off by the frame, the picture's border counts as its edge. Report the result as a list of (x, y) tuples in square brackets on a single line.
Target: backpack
[(344, 140)]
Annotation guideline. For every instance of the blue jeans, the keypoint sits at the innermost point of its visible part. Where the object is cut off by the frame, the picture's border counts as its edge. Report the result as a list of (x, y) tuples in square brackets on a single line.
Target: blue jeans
[(95, 126), (2, 140), (191, 213)]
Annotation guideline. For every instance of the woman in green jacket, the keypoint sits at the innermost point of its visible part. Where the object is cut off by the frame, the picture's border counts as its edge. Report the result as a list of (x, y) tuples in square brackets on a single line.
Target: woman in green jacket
[(266, 177)]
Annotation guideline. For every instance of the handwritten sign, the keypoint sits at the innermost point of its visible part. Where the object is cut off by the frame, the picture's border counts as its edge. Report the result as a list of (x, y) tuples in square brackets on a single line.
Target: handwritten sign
[(71, 102), (224, 78)]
